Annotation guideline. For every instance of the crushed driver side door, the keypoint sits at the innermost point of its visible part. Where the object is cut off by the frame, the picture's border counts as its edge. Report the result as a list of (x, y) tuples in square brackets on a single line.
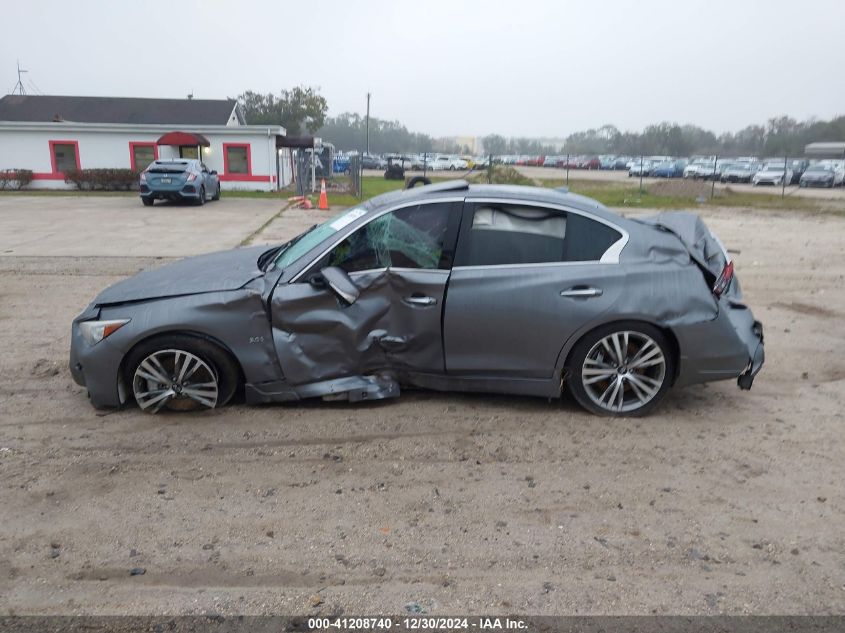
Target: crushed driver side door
[(400, 262)]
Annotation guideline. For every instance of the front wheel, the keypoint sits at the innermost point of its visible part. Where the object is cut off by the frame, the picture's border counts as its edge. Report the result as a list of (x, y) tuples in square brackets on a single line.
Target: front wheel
[(216, 195), (180, 373), (621, 369)]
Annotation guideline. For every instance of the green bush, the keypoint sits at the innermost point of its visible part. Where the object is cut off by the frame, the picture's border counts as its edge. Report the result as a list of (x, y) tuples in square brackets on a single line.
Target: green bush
[(103, 179), (15, 179), (502, 175)]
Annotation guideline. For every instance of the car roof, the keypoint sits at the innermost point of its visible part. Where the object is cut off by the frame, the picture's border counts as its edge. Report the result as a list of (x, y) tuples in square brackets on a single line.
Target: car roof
[(450, 188)]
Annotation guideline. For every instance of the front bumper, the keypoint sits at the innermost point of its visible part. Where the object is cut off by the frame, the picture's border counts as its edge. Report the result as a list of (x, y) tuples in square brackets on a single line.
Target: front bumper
[(96, 367)]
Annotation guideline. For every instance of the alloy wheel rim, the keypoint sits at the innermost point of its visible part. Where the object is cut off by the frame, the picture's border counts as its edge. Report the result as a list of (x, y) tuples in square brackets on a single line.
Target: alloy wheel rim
[(623, 371), (175, 379)]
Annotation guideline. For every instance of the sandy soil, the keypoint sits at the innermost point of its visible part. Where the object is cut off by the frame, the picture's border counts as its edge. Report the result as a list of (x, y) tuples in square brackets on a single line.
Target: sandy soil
[(721, 502)]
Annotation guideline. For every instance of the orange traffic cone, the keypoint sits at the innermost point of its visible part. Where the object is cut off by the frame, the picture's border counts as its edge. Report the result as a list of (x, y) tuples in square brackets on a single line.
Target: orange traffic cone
[(324, 199)]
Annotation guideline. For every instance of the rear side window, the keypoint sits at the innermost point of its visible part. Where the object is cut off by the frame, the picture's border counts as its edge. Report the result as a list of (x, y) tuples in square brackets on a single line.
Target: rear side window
[(502, 235)]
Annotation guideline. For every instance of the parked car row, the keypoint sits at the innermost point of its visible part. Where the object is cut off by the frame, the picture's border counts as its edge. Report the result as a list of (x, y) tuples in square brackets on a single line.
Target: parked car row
[(414, 162), (742, 169)]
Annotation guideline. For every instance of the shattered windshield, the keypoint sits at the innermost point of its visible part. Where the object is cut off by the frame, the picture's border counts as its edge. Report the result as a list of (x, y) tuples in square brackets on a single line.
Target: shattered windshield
[(300, 245)]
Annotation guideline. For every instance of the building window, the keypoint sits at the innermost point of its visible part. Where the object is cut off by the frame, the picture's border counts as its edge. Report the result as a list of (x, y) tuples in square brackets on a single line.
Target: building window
[(141, 155), (236, 159), (189, 151), (64, 156)]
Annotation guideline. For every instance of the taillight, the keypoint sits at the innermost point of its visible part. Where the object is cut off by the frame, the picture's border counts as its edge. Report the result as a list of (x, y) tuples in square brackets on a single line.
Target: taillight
[(143, 176), (192, 177), (724, 280)]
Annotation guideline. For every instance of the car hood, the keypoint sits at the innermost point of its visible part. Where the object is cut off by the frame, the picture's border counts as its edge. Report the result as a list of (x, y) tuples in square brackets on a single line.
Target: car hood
[(817, 175), (214, 272)]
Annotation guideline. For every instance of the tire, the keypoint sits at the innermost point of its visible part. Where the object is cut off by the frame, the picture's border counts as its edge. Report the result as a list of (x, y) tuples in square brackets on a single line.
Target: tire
[(590, 362), (451, 168), (147, 201), (174, 353), (201, 199), (216, 195), (417, 180)]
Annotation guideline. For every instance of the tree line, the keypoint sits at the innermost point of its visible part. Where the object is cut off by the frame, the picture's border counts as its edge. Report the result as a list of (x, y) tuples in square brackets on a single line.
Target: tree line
[(780, 136), (303, 110)]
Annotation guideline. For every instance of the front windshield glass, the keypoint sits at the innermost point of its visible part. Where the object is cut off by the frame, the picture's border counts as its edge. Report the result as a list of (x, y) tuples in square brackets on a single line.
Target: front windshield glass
[(310, 239), (820, 168)]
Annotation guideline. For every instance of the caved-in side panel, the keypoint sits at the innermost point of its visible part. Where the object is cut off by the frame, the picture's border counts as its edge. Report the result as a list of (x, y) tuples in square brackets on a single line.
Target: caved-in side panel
[(318, 337)]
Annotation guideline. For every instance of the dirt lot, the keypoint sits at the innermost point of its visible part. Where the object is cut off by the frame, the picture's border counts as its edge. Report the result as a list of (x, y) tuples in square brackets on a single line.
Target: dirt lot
[(721, 502)]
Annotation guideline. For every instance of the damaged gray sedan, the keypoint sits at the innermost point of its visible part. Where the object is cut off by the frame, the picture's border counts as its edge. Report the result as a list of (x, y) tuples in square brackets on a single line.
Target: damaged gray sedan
[(450, 287)]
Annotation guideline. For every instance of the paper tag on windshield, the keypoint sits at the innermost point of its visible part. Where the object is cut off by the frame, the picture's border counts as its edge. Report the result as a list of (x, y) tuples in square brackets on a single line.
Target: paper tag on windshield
[(347, 218)]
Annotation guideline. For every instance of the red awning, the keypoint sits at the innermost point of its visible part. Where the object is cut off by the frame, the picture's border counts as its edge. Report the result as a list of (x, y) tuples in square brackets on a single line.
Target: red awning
[(183, 138)]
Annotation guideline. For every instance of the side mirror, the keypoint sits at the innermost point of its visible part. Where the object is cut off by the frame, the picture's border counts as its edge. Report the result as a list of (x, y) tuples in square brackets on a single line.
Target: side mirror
[(340, 284), (213, 172)]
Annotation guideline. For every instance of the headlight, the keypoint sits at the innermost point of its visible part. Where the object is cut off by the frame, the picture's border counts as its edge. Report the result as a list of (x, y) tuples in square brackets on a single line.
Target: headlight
[(95, 331)]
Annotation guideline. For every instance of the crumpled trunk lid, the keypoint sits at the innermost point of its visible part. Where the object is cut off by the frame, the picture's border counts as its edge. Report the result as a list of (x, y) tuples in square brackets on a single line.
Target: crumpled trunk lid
[(711, 257), (704, 247)]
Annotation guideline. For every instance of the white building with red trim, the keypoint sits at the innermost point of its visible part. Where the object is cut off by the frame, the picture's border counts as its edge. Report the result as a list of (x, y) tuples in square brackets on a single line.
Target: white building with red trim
[(48, 135)]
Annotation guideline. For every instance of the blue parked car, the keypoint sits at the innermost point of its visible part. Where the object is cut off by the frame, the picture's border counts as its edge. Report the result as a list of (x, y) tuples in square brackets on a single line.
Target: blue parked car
[(340, 164), (668, 169), (179, 179)]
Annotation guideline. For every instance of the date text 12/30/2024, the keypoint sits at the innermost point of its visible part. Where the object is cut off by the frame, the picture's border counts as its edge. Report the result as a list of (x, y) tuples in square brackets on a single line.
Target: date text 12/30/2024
[(421, 623)]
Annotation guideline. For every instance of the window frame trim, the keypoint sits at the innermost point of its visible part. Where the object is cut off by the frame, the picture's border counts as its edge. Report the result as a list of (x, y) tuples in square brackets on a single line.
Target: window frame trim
[(226, 147), (133, 144), (610, 256), (53, 162)]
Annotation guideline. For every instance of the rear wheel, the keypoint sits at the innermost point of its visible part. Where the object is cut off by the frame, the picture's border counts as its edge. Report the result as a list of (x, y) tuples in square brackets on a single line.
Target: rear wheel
[(180, 373), (621, 369), (148, 201), (201, 199)]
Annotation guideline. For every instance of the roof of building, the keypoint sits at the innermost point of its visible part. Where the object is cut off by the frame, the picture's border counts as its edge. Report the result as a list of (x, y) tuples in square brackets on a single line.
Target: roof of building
[(127, 110)]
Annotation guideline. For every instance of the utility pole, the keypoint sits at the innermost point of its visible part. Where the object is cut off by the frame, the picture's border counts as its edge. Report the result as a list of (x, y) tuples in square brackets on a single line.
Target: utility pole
[(19, 86), (368, 123), (783, 181), (713, 184)]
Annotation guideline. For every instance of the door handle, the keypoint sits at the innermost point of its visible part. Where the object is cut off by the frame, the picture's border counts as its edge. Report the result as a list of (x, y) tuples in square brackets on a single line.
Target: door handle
[(420, 301), (581, 292)]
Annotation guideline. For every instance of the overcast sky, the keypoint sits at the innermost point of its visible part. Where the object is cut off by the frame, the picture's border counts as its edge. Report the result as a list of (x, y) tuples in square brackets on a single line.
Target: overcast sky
[(514, 67)]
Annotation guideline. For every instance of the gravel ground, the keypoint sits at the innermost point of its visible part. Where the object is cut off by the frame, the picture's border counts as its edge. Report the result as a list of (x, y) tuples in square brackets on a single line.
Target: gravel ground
[(721, 502)]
